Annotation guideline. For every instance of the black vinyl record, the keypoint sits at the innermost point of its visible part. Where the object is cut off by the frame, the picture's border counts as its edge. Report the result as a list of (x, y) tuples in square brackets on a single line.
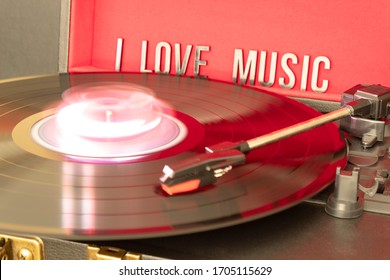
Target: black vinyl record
[(47, 192)]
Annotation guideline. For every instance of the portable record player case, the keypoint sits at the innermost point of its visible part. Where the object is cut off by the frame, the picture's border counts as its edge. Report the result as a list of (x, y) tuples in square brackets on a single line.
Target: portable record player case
[(349, 38)]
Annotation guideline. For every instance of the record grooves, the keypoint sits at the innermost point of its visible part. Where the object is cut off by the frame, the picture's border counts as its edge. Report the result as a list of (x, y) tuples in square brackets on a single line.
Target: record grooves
[(48, 193)]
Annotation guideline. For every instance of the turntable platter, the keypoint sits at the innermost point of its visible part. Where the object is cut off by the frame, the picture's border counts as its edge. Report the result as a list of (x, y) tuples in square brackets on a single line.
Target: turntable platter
[(48, 192)]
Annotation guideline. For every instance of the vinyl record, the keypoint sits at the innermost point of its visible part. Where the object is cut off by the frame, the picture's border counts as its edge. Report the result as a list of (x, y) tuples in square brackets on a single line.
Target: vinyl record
[(50, 192)]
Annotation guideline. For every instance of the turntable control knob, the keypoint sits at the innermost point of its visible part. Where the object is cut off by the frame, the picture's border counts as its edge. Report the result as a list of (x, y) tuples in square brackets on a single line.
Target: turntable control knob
[(344, 202)]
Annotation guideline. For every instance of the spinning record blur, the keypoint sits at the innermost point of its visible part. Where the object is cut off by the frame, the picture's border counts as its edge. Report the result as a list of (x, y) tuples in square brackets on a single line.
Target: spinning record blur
[(50, 192)]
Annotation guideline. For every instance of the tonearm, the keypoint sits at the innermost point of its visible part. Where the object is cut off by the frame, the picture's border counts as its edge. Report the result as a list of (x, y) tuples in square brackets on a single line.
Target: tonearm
[(362, 114)]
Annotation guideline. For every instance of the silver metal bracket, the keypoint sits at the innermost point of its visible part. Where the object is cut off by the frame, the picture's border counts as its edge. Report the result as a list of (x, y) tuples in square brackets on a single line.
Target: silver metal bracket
[(344, 202), (377, 196), (367, 122), (370, 131)]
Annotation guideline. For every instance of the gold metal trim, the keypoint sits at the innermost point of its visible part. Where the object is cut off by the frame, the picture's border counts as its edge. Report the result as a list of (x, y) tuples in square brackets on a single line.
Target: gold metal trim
[(110, 253), (21, 248)]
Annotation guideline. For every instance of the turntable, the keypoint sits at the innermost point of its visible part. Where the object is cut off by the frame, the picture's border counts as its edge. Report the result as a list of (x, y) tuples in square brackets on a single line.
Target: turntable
[(171, 166), (100, 192)]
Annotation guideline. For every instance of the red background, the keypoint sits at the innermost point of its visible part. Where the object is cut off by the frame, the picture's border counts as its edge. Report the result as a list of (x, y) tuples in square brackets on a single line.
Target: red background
[(354, 35)]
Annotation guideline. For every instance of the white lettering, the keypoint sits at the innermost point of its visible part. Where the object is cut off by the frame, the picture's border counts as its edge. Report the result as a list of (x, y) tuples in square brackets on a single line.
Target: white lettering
[(250, 68), (118, 57), (314, 79), (272, 71), (144, 51), (294, 60), (198, 61), (244, 70), (157, 64), (305, 72), (181, 68)]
